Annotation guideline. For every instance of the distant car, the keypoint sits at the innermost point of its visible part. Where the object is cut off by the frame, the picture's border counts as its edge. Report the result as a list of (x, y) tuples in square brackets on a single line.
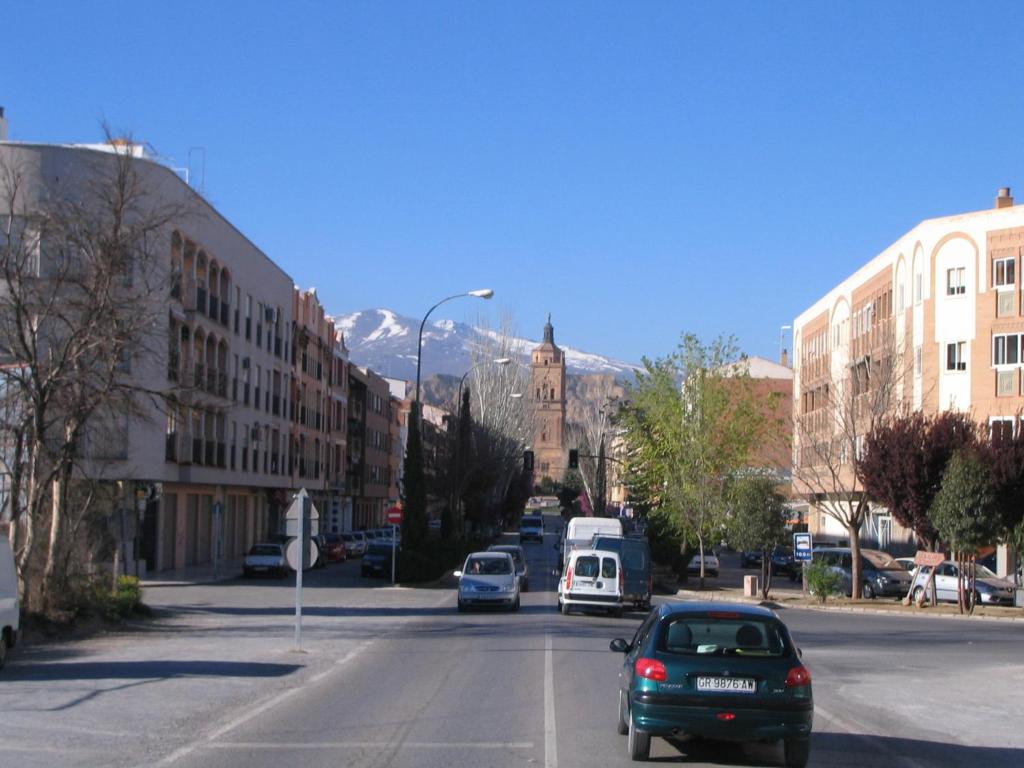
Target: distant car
[(531, 528), (710, 565), (907, 563), (377, 560), (488, 579), (355, 544), (989, 589), (751, 559), (265, 559), (783, 562), (714, 670), (334, 547), (519, 558)]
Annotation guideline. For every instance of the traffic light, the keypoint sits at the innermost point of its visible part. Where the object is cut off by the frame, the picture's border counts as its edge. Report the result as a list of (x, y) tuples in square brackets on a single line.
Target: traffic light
[(528, 461), (574, 459)]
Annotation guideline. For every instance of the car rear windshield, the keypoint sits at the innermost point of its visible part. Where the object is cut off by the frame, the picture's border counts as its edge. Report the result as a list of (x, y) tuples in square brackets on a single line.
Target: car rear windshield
[(588, 566), (488, 566), (517, 555), (379, 549), (265, 549), (736, 635)]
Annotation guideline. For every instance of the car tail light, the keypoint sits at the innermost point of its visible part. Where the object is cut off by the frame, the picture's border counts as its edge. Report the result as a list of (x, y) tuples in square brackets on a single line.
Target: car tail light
[(568, 578), (727, 716), (650, 669), (798, 676)]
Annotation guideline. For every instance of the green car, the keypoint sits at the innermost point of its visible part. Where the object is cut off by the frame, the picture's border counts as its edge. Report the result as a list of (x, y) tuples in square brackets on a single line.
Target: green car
[(714, 670)]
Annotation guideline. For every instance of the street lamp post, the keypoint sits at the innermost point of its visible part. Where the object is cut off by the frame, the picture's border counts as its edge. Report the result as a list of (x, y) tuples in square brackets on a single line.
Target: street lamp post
[(480, 293), (782, 335)]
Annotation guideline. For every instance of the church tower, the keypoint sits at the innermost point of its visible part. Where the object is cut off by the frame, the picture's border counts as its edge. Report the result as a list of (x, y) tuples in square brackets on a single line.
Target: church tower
[(547, 399)]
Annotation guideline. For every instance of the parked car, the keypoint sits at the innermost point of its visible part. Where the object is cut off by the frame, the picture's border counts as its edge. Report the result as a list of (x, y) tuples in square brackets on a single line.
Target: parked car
[(519, 558), (879, 572), (592, 578), (751, 559), (720, 671), (907, 563), (377, 560), (266, 559), (334, 548), (784, 564), (10, 609), (488, 579), (710, 565), (355, 543), (531, 528), (635, 557), (989, 589)]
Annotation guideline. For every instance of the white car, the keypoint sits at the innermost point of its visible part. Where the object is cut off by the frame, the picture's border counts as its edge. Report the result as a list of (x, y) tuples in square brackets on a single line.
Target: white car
[(355, 543), (488, 579), (710, 565), (592, 578), (989, 589), (10, 611), (265, 559)]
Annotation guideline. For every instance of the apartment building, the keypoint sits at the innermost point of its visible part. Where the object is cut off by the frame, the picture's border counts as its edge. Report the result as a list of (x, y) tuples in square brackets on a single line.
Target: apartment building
[(936, 319), (368, 468)]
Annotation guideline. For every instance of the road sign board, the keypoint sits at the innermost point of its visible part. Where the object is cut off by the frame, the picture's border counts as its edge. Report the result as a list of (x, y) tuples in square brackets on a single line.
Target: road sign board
[(291, 554), (802, 546), (932, 559), (393, 516), (293, 515)]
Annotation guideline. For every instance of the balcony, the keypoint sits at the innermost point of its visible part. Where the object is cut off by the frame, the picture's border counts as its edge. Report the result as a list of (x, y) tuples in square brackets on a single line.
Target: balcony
[(222, 384), (198, 375), (197, 450), (222, 455), (210, 455)]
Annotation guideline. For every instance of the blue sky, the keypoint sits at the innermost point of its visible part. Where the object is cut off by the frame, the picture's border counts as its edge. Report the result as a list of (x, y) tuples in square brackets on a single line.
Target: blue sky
[(638, 169)]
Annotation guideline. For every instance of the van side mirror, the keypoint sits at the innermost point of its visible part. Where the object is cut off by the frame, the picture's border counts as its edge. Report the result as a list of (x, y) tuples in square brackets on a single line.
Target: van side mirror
[(619, 645)]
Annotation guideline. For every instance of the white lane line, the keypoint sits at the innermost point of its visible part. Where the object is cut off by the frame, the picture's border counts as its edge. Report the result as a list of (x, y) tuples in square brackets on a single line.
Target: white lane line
[(250, 714), (372, 745), (550, 735)]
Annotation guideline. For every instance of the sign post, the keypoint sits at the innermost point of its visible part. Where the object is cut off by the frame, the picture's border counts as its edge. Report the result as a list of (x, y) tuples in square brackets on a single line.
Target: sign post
[(301, 521), (802, 549), (394, 519)]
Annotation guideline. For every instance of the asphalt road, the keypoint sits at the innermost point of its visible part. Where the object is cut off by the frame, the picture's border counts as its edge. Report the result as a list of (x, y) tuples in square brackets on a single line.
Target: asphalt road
[(395, 677)]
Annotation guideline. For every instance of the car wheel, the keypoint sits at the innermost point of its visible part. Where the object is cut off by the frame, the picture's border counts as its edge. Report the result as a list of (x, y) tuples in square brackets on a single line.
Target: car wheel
[(639, 742), (797, 752), (919, 594), (565, 609), (867, 591), (623, 725), (515, 605)]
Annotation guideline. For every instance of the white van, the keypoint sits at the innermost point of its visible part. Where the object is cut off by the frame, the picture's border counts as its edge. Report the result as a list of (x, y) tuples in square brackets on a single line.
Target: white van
[(592, 578), (580, 532), (9, 608)]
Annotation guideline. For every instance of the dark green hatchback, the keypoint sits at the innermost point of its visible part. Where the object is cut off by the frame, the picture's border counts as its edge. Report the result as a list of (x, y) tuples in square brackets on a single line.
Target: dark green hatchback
[(714, 670)]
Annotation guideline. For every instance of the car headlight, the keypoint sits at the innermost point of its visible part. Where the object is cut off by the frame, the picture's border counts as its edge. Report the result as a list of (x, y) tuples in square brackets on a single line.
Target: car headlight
[(882, 579)]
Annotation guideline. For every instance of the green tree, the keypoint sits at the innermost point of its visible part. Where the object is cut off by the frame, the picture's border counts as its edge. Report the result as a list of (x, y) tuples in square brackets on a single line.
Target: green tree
[(414, 487), (966, 514), (756, 520), (691, 421)]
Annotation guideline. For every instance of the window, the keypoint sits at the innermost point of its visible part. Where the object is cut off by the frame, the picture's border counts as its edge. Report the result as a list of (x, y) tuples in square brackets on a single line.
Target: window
[(901, 300), (1006, 349), (918, 288), (956, 356), (917, 362), (955, 281), (1004, 273), (1000, 429)]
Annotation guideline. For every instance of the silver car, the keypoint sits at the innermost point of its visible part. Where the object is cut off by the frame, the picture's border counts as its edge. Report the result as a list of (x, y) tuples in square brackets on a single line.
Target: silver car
[(519, 558), (265, 559), (488, 579), (355, 543), (989, 589)]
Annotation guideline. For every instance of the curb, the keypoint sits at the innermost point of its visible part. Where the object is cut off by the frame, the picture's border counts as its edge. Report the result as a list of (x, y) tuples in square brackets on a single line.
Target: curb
[(770, 603)]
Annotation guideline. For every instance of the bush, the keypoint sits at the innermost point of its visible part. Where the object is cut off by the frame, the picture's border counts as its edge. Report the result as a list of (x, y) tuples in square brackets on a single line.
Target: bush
[(822, 581)]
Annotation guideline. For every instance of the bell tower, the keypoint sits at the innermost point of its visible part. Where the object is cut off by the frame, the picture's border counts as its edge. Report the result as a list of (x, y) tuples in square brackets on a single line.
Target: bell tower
[(547, 400)]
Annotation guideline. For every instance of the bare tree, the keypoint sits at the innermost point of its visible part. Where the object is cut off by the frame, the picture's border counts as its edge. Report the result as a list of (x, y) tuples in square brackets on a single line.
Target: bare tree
[(838, 409), (82, 270), (594, 428)]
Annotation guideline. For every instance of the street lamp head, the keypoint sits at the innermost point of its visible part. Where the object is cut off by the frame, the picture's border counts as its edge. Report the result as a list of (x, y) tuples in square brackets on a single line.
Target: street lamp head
[(515, 395), (503, 361), (481, 293)]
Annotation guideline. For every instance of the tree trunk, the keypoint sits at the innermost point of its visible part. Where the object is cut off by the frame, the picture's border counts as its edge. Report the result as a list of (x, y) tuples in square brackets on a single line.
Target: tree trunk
[(853, 530)]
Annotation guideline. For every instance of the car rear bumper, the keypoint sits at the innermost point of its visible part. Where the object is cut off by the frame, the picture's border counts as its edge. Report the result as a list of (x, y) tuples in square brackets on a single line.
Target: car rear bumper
[(582, 598), (662, 715), (494, 598)]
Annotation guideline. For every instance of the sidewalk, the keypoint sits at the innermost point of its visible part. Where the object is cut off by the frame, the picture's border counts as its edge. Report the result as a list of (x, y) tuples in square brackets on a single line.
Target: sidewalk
[(195, 574)]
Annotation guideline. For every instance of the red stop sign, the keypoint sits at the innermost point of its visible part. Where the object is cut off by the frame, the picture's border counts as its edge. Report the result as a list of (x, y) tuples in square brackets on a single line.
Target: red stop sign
[(393, 516)]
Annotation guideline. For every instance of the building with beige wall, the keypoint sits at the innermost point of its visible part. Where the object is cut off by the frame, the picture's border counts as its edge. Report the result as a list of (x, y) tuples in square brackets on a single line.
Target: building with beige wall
[(939, 316), (548, 406)]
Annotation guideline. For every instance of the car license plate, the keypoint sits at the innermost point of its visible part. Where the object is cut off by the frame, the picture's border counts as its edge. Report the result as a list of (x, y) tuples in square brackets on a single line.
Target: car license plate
[(726, 684)]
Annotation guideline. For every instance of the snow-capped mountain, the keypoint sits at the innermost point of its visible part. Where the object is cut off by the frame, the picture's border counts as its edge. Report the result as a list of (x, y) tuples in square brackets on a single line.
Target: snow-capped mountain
[(386, 342)]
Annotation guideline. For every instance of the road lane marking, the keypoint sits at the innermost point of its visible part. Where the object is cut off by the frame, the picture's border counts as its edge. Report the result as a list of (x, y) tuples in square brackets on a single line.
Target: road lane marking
[(371, 745), (550, 735)]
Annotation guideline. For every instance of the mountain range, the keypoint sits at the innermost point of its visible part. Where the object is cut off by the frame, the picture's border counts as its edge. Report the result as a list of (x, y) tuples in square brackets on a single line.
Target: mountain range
[(386, 342)]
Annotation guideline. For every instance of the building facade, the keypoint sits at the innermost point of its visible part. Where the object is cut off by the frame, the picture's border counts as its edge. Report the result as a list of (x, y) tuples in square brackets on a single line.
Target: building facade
[(938, 319), (547, 406)]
